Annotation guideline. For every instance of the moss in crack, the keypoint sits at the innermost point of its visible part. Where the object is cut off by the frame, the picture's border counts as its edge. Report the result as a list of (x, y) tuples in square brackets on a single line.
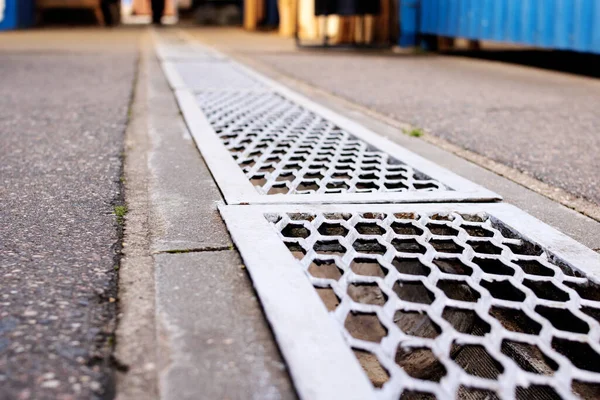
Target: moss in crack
[(120, 212), (414, 132)]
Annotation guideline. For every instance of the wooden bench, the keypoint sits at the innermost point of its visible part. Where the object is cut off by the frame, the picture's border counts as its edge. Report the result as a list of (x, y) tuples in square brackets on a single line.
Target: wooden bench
[(93, 4)]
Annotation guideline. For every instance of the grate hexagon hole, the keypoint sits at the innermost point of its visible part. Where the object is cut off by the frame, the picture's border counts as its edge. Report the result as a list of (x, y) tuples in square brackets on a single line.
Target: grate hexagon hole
[(286, 177), (410, 266), (329, 298), (415, 395), (408, 246), (484, 247), (592, 312), (367, 293), (589, 291), (406, 228), (581, 355), (369, 246), (330, 248), (369, 228), (259, 181), (295, 231), (515, 320), (337, 216), (420, 185), (446, 246), (325, 269), (395, 186), (493, 266), (337, 186), (366, 186), (476, 361), (329, 229), (503, 290), (452, 266), (420, 363), (377, 374), (278, 189), (407, 215), (414, 292), (474, 217), (376, 216), (525, 248), (313, 175), (562, 319), (546, 290), (368, 267), (477, 231), (537, 392), (414, 323), (586, 390), (467, 393), (529, 357), (466, 321), (534, 267), (296, 250), (307, 186), (441, 217), (458, 290), (365, 326), (441, 229)]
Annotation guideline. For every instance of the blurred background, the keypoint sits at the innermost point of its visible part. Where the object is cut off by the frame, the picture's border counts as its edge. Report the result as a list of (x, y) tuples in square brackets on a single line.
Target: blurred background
[(571, 25)]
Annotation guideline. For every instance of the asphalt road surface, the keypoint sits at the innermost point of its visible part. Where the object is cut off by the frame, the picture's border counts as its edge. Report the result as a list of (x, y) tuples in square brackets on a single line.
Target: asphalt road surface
[(64, 97)]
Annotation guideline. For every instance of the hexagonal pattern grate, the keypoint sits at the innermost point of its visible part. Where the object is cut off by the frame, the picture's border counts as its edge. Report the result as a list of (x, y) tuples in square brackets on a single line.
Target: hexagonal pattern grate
[(451, 302), (268, 144), (284, 148)]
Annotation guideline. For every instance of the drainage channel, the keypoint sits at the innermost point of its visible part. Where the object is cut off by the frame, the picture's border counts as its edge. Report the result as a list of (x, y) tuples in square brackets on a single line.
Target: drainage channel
[(473, 301), (385, 301), (267, 144)]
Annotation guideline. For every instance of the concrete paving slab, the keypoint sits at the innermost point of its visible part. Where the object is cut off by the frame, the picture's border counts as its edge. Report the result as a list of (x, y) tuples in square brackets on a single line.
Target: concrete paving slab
[(214, 341), (183, 192)]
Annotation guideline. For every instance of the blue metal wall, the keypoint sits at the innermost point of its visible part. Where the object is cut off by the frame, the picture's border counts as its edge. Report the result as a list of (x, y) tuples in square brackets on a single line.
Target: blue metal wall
[(557, 24), (17, 14)]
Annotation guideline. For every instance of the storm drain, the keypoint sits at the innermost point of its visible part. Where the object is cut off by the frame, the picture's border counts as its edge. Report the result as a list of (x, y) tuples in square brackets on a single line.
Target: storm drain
[(267, 144), (433, 301), (284, 148)]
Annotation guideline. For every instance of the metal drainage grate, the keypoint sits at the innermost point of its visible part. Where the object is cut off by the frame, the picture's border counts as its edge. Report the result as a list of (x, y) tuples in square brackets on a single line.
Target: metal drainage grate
[(285, 149), (436, 301), (267, 144), (265, 148)]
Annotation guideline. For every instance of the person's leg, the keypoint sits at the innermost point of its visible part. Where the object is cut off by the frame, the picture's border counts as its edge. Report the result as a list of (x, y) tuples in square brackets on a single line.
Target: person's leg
[(158, 7)]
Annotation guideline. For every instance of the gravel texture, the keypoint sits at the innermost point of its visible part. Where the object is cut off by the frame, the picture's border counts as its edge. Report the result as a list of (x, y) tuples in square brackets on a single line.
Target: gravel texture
[(63, 110)]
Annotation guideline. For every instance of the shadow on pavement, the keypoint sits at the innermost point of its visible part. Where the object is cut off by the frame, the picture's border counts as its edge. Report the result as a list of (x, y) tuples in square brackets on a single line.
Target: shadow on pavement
[(584, 64)]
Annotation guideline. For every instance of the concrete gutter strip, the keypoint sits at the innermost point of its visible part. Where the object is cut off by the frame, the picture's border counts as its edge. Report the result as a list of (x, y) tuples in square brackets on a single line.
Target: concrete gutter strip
[(204, 334)]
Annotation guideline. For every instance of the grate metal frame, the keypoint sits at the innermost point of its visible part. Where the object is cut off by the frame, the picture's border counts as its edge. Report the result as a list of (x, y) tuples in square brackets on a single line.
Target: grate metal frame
[(236, 186), (329, 369)]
